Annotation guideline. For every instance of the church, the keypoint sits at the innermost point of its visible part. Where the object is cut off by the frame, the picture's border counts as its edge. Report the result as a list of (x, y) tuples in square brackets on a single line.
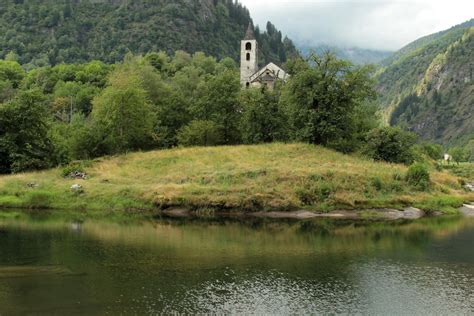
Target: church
[(250, 75)]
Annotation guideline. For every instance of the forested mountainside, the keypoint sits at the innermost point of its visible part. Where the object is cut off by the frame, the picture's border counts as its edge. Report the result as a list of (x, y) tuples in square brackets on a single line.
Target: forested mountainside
[(43, 32), (428, 86)]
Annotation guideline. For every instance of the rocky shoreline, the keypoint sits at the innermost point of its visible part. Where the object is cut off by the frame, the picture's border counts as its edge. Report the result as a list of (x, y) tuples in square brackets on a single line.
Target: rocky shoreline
[(409, 213)]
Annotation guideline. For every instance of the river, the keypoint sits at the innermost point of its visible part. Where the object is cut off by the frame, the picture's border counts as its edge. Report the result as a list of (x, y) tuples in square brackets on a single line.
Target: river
[(50, 265)]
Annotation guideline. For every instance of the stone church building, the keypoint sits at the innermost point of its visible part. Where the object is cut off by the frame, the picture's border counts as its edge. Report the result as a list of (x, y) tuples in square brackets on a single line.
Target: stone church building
[(250, 75)]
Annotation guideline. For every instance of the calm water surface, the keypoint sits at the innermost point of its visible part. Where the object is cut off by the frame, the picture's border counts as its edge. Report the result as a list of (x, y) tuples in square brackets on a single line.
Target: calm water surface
[(51, 266)]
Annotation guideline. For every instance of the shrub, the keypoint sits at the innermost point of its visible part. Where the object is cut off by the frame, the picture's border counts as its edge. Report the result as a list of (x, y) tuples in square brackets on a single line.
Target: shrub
[(200, 133), (377, 183), (418, 176), (38, 200), (434, 151), (459, 154), (78, 166), (391, 145), (314, 193)]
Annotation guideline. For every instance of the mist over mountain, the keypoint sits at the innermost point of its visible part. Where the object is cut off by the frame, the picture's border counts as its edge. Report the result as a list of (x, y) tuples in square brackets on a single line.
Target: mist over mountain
[(358, 56)]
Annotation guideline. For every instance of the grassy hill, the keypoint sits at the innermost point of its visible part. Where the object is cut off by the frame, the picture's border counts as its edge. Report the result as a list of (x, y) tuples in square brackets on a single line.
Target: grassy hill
[(57, 31), (263, 177), (428, 86)]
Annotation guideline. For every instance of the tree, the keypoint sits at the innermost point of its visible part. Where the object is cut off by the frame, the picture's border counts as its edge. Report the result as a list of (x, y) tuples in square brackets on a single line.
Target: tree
[(434, 151), (470, 150), (322, 98), (24, 141), (11, 71), (200, 133), (459, 154), (262, 121), (390, 144), (219, 102), (124, 112)]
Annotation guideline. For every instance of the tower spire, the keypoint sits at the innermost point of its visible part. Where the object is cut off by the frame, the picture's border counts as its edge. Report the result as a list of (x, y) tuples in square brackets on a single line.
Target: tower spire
[(249, 35)]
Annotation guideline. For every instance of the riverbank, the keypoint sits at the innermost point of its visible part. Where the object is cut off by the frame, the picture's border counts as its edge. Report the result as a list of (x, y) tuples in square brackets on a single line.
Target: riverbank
[(262, 178)]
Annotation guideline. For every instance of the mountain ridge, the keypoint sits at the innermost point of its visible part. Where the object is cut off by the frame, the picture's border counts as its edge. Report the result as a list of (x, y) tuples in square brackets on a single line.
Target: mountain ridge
[(428, 86)]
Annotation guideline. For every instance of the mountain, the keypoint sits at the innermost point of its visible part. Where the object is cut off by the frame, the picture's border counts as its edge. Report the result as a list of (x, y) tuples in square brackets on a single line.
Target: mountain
[(72, 31), (428, 86), (358, 56)]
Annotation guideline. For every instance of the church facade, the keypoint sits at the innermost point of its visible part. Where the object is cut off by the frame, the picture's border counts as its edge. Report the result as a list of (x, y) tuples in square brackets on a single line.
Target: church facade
[(250, 74)]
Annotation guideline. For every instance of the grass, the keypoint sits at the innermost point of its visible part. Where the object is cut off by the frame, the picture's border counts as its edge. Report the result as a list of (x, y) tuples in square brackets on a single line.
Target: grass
[(464, 170), (263, 177)]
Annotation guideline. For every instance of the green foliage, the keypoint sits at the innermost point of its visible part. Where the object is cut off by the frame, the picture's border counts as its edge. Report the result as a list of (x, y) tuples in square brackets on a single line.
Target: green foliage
[(313, 193), (446, 204), (84, 111), (434, 151), (391, 145), (12, 72), (124, 112), (470, 150), (76, 166), (51, 32), (24, 141), (418, 176), (262, 120), (322, 99), (38, 199), (219, 103), (459, 154), (200, 133)]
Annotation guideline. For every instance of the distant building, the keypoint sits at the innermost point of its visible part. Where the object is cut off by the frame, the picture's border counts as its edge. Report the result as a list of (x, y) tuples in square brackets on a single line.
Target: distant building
[(250, 75)]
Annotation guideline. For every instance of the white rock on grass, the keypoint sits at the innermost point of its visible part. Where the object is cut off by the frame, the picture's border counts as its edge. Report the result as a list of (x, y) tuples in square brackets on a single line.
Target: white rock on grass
[(470, 186), (76, 187)]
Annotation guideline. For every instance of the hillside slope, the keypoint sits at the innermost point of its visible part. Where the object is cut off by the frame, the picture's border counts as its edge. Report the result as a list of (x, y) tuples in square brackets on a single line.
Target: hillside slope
[(237, 178), (55, 31), (428, 87)]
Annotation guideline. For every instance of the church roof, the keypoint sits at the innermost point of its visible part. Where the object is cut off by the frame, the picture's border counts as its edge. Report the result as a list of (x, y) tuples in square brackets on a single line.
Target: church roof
[(271, 70), (250, 35)]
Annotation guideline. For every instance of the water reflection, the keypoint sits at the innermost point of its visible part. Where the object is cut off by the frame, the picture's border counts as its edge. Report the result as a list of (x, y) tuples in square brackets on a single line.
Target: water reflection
[(263, 267)]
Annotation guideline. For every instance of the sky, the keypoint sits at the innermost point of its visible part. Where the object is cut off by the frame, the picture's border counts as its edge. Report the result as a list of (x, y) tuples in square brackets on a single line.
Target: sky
[(371, 24)]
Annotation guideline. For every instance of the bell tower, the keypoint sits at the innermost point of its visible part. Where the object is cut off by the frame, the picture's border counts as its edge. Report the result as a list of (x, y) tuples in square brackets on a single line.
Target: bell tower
[(248, 57)]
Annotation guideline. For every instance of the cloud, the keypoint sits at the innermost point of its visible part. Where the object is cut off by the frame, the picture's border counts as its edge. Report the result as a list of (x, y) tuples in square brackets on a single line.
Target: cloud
[(373, 24)]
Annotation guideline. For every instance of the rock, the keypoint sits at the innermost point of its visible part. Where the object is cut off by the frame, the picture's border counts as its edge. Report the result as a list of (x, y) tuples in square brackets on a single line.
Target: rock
[(413, 213), (467, 210), (77, 175), (77, 188), (177, 212), (470, 187)]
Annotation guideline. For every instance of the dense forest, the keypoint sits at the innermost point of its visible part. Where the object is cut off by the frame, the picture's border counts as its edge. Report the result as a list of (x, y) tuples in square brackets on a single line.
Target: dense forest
[(51, 32), (428, 86)]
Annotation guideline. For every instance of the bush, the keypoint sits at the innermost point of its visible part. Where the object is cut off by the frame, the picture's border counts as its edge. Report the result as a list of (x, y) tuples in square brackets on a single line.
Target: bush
[(314, 193), (38, 200), (377, 183), (200, 133), (75, 167), (434, 151), (418, 176), (391, 145), (459, 154)]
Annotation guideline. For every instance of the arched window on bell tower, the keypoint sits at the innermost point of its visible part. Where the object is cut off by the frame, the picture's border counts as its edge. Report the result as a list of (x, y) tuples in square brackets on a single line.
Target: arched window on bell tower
[(248, 46), (248, 57)]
